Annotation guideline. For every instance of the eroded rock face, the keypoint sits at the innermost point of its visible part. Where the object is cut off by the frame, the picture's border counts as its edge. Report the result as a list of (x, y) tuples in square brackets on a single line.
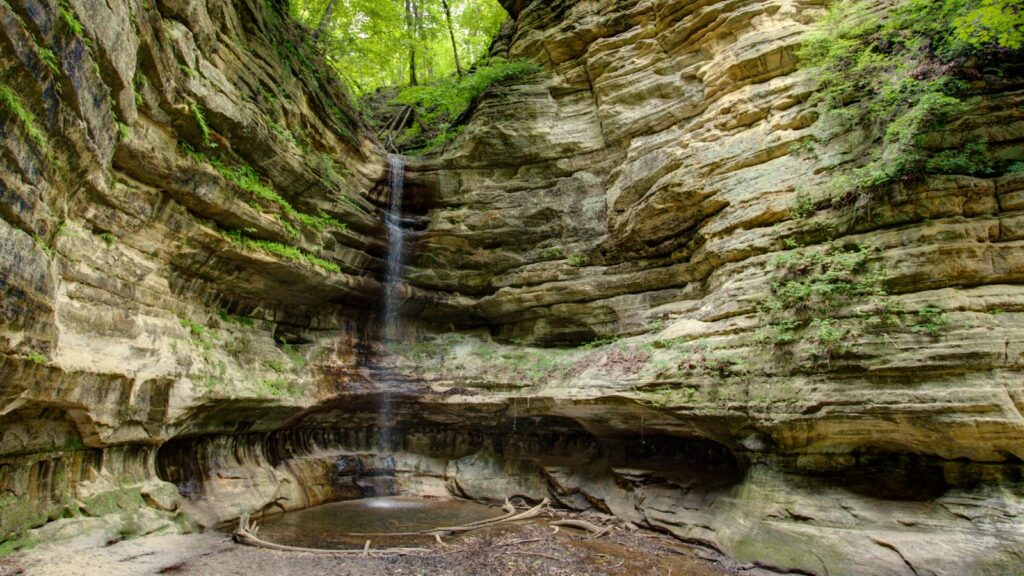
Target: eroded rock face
[(641, 188)]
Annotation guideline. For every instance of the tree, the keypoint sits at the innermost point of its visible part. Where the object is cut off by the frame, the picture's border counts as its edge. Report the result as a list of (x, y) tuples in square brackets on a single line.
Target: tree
[(451, 33), (374, 43)]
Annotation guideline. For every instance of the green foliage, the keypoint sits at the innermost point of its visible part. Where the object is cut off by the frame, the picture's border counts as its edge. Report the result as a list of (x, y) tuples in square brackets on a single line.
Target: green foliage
[(320, 222), (245, 177), (998, 22), (204, 128), (48, 58), (293, 355), (599, 343), (899, 77), (282, 250), (240, 320), (439, 105), (552, 253), (196, 329), (70, 20), (828, 298), (109, 239), (38, 358), (13, 105), (43, 245), (815, 282), (810, 286), (281, 387), (930, 320), (369, 42)]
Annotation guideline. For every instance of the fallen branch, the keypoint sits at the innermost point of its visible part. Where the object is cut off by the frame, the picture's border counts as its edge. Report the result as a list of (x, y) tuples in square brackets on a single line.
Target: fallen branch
[(598, 531)]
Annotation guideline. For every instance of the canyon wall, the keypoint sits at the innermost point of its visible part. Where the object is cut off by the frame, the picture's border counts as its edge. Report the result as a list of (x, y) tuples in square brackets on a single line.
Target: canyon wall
[(585, 298)]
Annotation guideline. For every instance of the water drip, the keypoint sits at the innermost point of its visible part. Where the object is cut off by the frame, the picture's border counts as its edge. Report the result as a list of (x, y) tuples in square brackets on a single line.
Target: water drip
[(392, 278), (396, 249)]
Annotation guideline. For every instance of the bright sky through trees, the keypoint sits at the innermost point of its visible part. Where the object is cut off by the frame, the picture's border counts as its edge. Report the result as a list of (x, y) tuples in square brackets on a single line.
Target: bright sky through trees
[(374, 43)]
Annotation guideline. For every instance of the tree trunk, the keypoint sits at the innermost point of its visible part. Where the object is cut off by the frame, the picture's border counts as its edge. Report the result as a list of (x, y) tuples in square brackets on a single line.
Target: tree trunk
[(410, 21), (451, 34), (324, 21)]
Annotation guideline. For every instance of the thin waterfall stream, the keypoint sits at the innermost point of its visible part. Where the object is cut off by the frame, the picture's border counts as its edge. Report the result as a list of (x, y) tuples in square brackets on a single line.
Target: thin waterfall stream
[(392, 278)]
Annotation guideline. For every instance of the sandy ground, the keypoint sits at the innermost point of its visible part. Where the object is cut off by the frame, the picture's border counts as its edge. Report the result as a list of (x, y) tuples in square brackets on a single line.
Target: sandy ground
[(528, 549)]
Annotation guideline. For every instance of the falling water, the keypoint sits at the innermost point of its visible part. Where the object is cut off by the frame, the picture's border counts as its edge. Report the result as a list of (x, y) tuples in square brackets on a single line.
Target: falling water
[(396, 248), (396, 259)]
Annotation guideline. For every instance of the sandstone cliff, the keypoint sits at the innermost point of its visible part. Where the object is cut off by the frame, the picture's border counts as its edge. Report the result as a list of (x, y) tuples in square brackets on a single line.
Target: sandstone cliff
[(585, 298)]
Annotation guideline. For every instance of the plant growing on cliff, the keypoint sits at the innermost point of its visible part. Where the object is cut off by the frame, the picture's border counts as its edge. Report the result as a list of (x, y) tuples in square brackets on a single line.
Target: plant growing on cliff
[(70, 20), (812, 285), (440, 107), (828, 298), (245, 178), (903, 77), (282, 250), (204, 128), (15, 107)]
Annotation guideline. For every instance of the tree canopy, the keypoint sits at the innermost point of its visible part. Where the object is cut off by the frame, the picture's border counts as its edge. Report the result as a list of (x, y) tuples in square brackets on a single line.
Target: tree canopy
[(374, 43)]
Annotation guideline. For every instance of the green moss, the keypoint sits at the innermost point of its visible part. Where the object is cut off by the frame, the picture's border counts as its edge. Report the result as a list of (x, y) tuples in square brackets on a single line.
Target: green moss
[(38, 358), (281, 387), (245, 177), (554, 253), (18, 517), (109, 239), (293, 355), (15, 106), (240, 320), (282, 250)]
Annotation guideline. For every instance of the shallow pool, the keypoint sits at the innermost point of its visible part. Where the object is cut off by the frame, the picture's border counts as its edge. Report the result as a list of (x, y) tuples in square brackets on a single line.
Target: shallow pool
[(327, 526)]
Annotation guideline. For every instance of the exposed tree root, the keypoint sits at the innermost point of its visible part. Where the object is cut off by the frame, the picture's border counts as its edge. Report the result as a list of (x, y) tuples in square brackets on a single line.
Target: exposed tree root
[(594, 529)]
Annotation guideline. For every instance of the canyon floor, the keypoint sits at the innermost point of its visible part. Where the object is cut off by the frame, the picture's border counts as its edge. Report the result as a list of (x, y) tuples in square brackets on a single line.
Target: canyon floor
[(525, 549)]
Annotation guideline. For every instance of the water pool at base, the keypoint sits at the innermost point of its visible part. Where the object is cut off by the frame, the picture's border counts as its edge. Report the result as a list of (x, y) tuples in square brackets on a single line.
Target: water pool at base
[(326, 526)]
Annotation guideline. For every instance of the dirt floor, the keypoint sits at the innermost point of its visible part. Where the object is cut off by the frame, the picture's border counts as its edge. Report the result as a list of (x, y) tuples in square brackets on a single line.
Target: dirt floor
[(526, 549)]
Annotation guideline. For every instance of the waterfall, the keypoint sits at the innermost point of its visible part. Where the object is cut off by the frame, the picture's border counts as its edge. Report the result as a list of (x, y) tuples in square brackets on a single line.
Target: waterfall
[(396, 248), (393, 275)]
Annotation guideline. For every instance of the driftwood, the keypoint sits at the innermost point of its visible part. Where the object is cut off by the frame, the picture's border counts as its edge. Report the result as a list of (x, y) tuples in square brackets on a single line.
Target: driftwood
[(594, 529)]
